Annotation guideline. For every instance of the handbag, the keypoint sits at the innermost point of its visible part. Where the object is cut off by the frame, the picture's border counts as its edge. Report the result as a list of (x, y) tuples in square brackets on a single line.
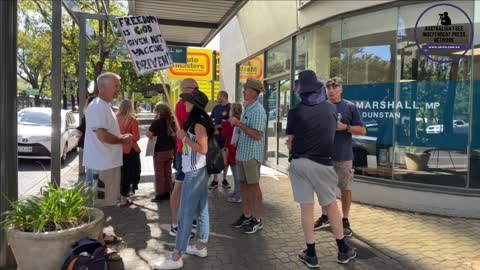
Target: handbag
[(151, 146), (215, 162)]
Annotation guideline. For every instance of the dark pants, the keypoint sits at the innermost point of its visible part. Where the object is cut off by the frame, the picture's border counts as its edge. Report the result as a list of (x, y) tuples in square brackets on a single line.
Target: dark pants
[(162, 163), (130, 172)]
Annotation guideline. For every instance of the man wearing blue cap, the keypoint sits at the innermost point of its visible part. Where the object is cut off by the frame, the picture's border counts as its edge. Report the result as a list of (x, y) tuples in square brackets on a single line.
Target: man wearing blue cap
[(311, 130)]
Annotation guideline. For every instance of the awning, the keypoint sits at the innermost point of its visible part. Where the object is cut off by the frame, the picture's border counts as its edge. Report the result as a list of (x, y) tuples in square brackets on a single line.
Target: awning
[(188, 23)]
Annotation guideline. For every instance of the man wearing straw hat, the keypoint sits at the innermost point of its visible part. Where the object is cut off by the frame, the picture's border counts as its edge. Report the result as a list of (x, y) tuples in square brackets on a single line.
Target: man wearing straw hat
[(250, 155)]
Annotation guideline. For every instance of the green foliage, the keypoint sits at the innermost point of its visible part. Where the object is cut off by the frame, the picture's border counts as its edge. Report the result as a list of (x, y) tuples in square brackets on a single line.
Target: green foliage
[(54, 209)]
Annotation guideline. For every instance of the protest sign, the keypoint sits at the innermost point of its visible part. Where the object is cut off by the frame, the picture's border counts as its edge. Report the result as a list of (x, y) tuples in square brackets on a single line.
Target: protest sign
[(145, 43)]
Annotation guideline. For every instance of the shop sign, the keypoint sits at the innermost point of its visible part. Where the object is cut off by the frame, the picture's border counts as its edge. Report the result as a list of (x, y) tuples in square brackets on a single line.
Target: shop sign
[(145, 43), (217, 66), (198, 66), (252, 69)]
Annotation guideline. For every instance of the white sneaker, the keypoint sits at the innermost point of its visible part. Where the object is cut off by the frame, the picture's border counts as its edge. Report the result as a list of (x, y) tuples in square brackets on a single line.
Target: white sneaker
[(193, 250), (168, 263)]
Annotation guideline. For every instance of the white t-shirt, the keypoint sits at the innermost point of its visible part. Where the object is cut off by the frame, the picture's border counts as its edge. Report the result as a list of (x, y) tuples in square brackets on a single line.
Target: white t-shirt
[(98, 155)]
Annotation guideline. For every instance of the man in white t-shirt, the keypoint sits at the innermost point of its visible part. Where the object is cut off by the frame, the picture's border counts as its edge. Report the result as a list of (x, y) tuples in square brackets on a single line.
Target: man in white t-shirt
[(103, 141)]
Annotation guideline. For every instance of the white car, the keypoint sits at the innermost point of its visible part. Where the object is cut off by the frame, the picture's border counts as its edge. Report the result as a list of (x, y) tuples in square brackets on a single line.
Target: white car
[(35, 133), (459, 126)]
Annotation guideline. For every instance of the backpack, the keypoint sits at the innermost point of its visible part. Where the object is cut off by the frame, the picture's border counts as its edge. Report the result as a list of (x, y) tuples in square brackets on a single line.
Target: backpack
[(214, 157), (85, 254)]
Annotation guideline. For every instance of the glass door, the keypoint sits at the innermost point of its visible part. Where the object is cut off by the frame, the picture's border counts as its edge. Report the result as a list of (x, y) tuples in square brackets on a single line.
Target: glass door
[(277, 105), (271, 134)]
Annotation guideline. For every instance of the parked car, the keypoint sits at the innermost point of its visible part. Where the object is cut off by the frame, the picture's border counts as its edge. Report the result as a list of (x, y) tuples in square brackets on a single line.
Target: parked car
[(35, 133), (459, 126)]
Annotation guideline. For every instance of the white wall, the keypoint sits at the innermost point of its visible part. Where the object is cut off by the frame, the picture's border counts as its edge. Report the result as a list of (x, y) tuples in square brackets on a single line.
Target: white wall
[(260, 24), (416, 201)]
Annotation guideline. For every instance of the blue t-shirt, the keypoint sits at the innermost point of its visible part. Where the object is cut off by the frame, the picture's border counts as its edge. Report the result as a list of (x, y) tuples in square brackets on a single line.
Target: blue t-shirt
[(220, 112), (347, 113)]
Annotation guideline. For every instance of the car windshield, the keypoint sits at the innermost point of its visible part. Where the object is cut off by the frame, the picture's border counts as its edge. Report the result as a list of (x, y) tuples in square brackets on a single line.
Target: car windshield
[(34, 118)]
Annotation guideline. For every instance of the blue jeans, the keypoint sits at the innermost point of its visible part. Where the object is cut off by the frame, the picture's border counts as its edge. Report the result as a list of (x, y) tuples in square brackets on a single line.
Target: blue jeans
[(193, 205), (236, 181)]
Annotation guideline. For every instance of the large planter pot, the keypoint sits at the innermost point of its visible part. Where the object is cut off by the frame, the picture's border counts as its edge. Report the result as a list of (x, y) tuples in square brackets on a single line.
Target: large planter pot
[(47, 250), (416, 162)]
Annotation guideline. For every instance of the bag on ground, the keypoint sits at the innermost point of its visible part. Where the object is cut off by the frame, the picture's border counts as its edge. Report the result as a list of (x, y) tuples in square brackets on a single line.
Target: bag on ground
[(86, 254)]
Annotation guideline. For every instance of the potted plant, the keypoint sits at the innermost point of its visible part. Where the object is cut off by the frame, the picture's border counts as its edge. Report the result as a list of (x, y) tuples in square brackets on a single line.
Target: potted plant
[(41, 228), (416, 158)]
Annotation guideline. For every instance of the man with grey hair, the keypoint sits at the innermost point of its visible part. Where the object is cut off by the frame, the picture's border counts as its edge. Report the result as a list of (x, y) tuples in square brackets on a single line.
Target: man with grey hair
[(103, 141)]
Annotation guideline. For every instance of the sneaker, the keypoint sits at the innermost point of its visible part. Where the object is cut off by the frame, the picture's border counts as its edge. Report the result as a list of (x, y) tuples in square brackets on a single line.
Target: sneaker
[(168, 263), (322, 222), (234, 199), (253, 226), (225, 184), (193, 250), (311, 262), (173, 231), (241, 221), (213, 184), (346, 228), (347, 256)]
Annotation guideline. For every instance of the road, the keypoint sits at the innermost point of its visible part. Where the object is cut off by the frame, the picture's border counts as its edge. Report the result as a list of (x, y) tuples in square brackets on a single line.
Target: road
[(33, 174)]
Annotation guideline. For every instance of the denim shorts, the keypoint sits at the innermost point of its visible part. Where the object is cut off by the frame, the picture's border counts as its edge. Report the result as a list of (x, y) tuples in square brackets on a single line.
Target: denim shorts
[(180, 175)]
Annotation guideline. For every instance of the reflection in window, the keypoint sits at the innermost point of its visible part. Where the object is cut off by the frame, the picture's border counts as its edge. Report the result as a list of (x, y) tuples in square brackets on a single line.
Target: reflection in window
[(278, 59)]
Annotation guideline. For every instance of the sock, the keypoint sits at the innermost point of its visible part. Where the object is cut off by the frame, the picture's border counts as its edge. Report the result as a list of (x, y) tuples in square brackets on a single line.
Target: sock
[(311, 250), (249, 216), (342, 246), (343, 219), (174, 225), (324, 217)]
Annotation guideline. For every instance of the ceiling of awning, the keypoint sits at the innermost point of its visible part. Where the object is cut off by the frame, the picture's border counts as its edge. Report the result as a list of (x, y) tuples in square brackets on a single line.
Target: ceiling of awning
[(188, 23)]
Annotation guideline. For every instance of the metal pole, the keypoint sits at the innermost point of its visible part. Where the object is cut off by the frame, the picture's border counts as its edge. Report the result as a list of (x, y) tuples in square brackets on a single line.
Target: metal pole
[(56, 90), (81, 78), (8, 120)]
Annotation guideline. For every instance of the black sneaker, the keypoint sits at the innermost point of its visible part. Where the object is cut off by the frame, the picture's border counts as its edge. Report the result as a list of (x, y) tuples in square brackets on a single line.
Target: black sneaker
[(213, 184), (241, 221), (225, 184), (346, 228), (174, 230), (253, 226), (347, 256), (311, 262), (321, 222)]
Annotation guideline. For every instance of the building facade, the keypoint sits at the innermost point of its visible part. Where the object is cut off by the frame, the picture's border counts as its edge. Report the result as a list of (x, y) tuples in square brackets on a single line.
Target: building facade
[(413, 69)]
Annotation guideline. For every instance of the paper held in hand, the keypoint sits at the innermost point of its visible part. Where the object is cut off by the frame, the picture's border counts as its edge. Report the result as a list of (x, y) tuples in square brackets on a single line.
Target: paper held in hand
[(145, 43)]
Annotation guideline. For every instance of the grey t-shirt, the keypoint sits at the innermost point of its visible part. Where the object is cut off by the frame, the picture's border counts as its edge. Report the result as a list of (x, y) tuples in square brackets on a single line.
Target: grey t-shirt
[(347, 113)]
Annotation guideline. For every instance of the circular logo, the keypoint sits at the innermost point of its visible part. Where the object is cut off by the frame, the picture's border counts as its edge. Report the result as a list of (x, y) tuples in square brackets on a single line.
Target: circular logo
[(449, 39)]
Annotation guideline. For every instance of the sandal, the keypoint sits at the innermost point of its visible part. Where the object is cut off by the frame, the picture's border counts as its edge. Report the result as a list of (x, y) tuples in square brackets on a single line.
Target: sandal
[(113, 240), (112, 255)]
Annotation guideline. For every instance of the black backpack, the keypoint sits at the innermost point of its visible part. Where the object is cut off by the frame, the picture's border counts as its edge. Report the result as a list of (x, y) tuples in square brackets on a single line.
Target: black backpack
[(86, 254), (214, 157)]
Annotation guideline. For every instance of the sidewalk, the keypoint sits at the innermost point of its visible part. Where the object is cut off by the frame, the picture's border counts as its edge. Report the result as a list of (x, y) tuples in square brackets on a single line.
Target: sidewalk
[(385, 239)]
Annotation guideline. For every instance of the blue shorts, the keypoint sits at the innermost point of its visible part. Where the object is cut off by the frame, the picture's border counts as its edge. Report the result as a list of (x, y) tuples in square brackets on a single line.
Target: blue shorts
[(180, 176)]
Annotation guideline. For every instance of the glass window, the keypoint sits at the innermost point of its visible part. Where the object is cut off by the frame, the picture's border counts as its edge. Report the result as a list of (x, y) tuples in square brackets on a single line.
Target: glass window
[(433, 101), (365, 61), (475, 123), (278, 59)]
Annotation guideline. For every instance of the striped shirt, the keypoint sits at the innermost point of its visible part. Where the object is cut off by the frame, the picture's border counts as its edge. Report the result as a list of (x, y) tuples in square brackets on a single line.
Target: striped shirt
[(254, 117), (192, 160)]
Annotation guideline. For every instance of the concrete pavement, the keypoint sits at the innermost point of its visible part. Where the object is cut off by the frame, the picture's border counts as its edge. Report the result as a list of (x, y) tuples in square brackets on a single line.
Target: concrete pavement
[(385, 239)]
